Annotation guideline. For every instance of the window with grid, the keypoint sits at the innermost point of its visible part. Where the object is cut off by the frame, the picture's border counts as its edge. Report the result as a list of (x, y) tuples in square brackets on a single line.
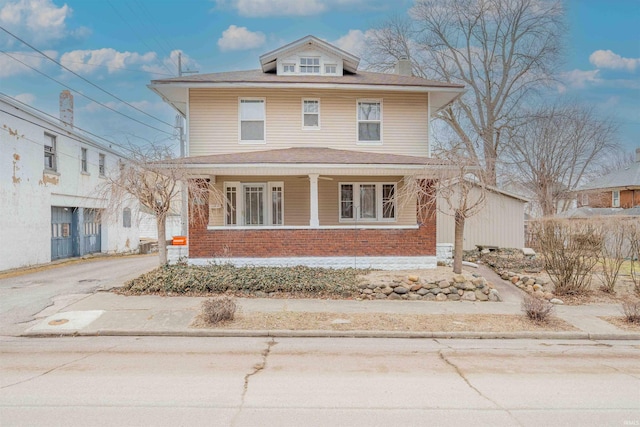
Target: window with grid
[(310, 65), (330, 68), (50, 152), (101, 164), (83, 161), (254, 204)]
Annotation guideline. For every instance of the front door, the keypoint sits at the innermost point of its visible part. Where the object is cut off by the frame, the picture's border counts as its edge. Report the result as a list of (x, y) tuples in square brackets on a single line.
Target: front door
[(61, 232)]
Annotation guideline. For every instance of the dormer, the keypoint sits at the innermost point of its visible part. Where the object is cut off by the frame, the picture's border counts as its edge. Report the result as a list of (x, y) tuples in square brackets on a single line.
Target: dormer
[(309, 56)]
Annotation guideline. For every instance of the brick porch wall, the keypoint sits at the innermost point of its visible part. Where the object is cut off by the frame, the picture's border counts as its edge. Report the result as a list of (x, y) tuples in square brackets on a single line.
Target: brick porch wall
[(271, 243)]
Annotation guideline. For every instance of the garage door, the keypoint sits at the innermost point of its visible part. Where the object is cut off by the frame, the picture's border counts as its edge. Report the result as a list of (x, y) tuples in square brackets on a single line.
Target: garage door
[(61, 232)]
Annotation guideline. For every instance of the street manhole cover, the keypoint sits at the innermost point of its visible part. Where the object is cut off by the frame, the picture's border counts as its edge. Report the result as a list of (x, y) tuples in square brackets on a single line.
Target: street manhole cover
[(58, 322)]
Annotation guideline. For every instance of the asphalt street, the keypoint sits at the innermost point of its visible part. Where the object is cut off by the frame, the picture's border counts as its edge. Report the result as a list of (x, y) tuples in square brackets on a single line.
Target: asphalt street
[(163, 381)]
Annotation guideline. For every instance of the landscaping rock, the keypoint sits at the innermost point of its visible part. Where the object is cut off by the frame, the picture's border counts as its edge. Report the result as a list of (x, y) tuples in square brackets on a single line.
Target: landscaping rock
[(480, 296), (441, 297), (415, 287), (400, 290), (393, 296), (380, 295), (469, 296), (556, 301), (422, 291), (413, 278), (453, 297), (494, 295)]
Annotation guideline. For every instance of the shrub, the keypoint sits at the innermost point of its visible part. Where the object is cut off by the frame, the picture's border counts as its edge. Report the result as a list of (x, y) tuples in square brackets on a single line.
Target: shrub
[(631, 311), (218, 310), (536, 308), (571, 249), (613, 251)]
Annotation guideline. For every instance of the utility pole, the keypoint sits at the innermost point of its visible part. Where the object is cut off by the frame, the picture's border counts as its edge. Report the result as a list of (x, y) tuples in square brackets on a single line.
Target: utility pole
[(184, 215)]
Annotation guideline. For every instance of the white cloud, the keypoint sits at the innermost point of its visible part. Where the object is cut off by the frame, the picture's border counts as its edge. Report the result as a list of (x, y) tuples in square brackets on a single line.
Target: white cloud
[(39, 21), (354, 42), (27, 98), (608, 59), (240, 38), (262, 8), (578, 79), (90, 61), (11, 67)]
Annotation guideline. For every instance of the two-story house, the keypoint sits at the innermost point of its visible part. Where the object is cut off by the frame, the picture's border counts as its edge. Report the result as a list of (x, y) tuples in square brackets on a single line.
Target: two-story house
[(310, 156), (618, 189), (50, 174)]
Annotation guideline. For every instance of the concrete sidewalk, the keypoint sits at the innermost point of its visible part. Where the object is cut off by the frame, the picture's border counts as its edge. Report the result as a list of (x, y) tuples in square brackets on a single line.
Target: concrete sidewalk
[(106, 313)]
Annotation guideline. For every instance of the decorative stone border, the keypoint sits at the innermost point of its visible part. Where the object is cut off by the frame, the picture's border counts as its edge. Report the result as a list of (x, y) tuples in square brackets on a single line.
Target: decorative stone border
[(534, 285), (458, 288)]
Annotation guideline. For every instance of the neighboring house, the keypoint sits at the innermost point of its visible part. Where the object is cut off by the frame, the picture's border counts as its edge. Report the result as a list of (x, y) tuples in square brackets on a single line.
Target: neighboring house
[(618, 189), (499, 223), (149, 229), (309, 155), (49, 174)]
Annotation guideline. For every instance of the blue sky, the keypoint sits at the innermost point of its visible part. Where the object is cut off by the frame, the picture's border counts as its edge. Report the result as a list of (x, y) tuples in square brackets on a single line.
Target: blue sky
[(120, 45)]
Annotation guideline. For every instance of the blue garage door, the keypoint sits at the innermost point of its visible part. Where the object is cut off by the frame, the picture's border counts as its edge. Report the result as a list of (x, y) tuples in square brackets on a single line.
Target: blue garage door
[(61, 232)]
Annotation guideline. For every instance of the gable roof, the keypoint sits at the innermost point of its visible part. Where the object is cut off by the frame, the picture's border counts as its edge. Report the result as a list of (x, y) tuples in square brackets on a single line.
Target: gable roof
[(268, 60), (628, 176)]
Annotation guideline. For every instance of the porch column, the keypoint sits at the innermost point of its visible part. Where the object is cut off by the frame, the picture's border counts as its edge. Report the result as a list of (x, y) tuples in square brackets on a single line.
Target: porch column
[(313, 187)]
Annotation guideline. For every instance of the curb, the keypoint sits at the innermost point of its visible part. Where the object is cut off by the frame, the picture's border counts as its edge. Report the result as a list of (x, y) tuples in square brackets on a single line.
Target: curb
[(229, 333)]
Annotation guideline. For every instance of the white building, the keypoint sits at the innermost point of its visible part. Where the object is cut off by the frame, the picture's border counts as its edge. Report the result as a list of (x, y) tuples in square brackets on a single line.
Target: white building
[(49, 180)]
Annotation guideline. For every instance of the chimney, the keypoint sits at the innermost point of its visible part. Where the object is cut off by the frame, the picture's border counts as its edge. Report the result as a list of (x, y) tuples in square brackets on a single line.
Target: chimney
[(638, 155), (403, 67), (66, 108)]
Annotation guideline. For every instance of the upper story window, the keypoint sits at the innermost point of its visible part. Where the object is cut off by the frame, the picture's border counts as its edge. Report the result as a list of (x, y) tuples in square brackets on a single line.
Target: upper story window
[(368, 201), (101, 164), (252, 120), (369, 121), (310, 114), (50, 152), (289, 68), (310, 65), (615, 198), (83, 159), (330, 68)]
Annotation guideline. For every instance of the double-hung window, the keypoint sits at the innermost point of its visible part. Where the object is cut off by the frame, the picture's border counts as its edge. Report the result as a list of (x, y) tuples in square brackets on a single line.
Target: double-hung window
[(254, 204), (615, 199), (310, 65), (369, 121), (252, 120), (83, 159), (50, 152), (330, 68), (101, 164), (310, 114), (289, 68), (368, 201)]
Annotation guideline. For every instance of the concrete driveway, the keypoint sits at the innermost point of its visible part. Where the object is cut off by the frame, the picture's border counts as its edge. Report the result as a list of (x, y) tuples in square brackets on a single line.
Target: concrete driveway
[(26, 297)]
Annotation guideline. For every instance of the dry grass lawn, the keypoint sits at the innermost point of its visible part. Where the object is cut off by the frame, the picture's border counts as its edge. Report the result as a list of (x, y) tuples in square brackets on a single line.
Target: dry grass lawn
[(620, 322), (301, 321)]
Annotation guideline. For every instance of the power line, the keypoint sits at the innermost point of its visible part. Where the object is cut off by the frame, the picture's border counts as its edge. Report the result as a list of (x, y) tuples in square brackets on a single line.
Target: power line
[(55, 118), (79, 76), (86, 96), (145, 12), (98, 65), (122, 18)]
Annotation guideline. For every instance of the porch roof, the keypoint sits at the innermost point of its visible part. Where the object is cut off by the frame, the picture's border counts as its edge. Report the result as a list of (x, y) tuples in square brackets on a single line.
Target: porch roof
[(294, 161)]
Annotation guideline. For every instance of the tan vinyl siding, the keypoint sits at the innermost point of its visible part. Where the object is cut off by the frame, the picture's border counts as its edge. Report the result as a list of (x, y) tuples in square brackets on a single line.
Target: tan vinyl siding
[(213, 123), (297, 199), (499, 223)]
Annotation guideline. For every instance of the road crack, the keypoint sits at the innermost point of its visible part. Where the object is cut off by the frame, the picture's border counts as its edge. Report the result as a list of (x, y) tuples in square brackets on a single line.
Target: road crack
[(55, 368), (474, 388), (256, 370)]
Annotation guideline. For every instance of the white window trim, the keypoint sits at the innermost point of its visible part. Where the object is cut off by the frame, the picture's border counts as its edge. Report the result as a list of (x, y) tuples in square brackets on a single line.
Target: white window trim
[(302, 106), (54, 151), (84, 161), (264, 124), (238, 212), (615, 201), (358, 141), (103, 172), (310, 57), (330, 65), (379, 202), (289, 64)]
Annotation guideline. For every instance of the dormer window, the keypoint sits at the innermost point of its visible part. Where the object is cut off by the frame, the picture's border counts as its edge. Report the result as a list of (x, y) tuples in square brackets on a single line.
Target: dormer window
[(289, 68), (310, 65), (330, 68)]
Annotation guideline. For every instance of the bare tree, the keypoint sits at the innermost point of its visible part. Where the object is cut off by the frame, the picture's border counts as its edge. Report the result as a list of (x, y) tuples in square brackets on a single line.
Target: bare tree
[(155, 179), (552, 152), (458, 189), (501, 50)]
